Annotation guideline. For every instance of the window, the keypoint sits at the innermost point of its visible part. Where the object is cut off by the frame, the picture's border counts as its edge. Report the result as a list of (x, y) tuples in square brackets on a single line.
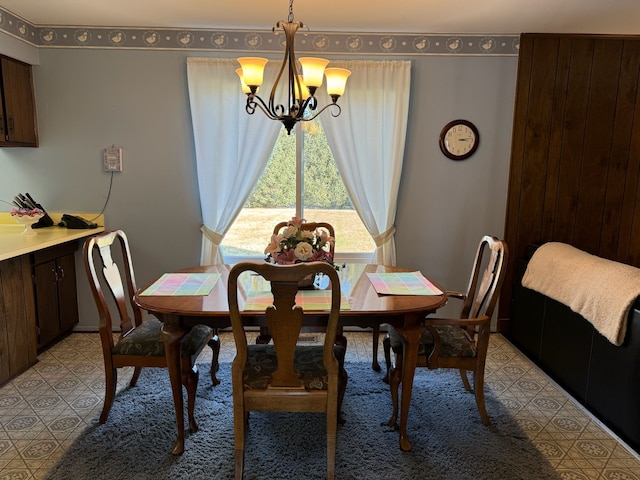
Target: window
[(318, 195)]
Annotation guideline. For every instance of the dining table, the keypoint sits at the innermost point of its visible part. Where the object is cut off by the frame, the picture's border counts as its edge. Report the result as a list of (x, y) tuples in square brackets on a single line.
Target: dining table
[(367, 308)]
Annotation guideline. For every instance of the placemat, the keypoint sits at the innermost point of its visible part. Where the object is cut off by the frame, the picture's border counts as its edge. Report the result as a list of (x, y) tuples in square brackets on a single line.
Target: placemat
[(402, 283), (182, 284), (307, 299)]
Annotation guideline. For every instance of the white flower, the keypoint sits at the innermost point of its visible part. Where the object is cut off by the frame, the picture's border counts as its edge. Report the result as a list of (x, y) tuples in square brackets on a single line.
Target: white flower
[(307, 235), (304, 251), (290, 231)]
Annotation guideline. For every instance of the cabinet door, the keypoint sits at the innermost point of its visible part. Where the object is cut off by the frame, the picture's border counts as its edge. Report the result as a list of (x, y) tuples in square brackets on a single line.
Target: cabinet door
[(46, 278), (19, 104), (67, 292), (17, 318), (2, 119)]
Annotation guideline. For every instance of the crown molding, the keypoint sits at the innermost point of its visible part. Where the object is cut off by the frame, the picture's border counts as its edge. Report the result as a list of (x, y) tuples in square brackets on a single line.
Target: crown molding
[(258, 41)]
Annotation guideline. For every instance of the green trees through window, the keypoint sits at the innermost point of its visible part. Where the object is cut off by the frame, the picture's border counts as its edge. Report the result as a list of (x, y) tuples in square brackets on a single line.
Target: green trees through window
[(323, 187), (324, 197)]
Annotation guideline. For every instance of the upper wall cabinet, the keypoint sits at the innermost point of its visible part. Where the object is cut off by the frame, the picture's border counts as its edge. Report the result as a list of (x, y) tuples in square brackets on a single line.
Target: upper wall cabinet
[(17, 101)]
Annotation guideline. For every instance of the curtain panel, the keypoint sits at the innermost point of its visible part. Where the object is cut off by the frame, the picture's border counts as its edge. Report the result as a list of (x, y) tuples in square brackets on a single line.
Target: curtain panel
[(232, 148), (367, 141)]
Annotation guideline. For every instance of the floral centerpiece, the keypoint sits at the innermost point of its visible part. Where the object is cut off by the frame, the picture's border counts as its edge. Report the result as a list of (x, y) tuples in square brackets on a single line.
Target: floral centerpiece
[(295, 244)]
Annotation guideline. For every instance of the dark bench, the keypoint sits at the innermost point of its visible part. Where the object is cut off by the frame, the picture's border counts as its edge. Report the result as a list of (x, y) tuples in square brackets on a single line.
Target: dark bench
[(601, 376)]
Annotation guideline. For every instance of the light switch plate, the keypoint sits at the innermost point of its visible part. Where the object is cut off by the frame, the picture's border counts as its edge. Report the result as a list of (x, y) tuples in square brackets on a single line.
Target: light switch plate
[(113, 159)]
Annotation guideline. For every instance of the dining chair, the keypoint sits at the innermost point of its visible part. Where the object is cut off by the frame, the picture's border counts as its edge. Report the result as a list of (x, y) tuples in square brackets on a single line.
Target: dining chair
[(139, 343), (286, 376), (458, 342), (312, 226)]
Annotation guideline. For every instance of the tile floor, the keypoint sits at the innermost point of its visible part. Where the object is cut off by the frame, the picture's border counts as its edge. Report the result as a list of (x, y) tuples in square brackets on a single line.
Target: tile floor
[(45, 408)]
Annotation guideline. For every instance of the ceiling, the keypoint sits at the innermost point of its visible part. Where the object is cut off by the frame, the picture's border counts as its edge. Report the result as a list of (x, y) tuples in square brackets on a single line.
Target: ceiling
[(399, 16)]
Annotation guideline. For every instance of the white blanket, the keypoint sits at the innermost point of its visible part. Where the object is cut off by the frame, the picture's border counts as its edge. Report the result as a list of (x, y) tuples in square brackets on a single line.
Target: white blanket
[(602, 291)]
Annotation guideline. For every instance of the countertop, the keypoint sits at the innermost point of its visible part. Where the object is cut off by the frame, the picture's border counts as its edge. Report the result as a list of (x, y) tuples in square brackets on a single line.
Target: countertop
[(14, 244)]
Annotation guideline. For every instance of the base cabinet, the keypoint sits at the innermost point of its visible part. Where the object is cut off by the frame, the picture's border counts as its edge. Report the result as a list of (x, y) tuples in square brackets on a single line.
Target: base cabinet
[(17, 318), (54, 273)]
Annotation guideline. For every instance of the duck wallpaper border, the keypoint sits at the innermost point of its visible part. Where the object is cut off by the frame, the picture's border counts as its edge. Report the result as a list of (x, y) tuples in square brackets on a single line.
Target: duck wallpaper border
[(258, 41)]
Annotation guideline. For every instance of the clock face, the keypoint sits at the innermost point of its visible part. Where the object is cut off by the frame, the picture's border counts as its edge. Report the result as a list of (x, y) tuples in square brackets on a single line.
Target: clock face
[(459, 139)]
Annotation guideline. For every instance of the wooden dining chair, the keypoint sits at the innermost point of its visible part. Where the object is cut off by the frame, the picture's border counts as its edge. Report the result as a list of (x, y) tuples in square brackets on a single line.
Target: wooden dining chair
[(458, 342), (310, 227), (139, 343), (286, 376)]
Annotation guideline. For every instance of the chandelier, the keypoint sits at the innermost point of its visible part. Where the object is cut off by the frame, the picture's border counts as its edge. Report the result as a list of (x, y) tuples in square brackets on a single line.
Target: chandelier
[(301, 104)]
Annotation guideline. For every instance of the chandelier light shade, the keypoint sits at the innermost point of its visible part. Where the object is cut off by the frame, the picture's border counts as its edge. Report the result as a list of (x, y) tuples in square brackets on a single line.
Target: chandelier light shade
[(300, 82), (245, 87)]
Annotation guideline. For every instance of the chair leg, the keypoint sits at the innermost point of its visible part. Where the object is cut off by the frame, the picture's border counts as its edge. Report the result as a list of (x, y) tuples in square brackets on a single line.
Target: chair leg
[(110, 381), (465, 380), (478, 386), (214, 343), (240, 420), (332, 425), (374, 340), (342, 386), (341, 339), (386, 345), (264, 337), (395, 377), (239, 464), (190, 381), (134, 377)]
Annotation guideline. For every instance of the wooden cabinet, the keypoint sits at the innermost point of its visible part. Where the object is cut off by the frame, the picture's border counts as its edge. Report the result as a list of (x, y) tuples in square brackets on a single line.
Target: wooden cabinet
[(54, 273), (575, 156), (17, 318), (18, 126)]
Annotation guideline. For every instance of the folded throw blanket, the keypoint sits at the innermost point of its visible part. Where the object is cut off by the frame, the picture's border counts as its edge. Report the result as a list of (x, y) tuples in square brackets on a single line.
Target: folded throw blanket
[(602, 291)]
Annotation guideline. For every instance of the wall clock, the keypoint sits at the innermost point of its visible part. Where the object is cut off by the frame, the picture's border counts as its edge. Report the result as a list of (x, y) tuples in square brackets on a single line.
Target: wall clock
[(459, 139)]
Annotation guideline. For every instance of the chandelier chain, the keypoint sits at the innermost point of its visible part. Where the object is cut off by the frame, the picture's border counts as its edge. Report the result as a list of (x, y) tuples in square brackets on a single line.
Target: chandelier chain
[(290, 17)]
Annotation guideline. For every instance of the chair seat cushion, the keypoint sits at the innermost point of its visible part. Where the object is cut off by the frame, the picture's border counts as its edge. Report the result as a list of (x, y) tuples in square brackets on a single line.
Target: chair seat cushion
[(262, 363), (454, 342), (146, 340)]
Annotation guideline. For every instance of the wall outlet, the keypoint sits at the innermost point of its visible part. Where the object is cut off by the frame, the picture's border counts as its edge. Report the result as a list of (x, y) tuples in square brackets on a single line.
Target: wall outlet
[(113, 159)]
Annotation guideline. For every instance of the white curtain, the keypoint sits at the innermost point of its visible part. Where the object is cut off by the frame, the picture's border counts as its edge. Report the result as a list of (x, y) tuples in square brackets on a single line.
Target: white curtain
[(232, 147), (367, 142)]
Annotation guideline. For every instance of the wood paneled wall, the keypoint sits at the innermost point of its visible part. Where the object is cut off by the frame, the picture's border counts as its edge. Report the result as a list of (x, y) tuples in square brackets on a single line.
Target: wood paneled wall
[(575, 156)]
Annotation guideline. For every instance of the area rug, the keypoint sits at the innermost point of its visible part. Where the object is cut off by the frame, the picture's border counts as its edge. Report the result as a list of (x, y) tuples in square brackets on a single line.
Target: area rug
[(449, 440)]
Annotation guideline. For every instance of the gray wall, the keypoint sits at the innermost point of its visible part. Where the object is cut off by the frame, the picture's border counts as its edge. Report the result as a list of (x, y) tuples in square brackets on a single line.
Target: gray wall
[(138, 100)]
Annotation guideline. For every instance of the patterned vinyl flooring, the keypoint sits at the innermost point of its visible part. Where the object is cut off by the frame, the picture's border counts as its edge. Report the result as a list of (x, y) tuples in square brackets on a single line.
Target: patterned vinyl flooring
[(45, 408)]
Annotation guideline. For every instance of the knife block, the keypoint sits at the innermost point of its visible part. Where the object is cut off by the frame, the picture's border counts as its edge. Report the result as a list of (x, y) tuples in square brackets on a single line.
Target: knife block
[(45, 221)]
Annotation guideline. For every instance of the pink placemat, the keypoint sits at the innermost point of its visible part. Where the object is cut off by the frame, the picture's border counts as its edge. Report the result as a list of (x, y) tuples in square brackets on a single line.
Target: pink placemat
[(182, 284), (307, 299), (402, 283)]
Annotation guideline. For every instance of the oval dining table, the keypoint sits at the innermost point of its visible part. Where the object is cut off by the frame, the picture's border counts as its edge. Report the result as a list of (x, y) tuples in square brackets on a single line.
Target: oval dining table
[(367, 308)]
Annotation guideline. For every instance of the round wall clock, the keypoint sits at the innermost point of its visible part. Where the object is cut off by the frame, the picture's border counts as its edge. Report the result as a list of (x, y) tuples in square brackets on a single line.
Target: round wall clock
[(459, 139)]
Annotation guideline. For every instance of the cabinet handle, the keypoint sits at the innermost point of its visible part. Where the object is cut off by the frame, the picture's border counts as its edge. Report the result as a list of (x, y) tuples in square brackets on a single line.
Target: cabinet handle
[(11, 126), (60, 273), (55, 275)]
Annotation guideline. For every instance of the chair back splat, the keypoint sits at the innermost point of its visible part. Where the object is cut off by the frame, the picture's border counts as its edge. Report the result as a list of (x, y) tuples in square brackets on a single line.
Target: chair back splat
[(286, 376)]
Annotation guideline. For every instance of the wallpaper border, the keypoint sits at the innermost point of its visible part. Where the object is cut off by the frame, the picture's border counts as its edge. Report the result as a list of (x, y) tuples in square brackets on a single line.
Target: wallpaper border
[(256, 40)]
